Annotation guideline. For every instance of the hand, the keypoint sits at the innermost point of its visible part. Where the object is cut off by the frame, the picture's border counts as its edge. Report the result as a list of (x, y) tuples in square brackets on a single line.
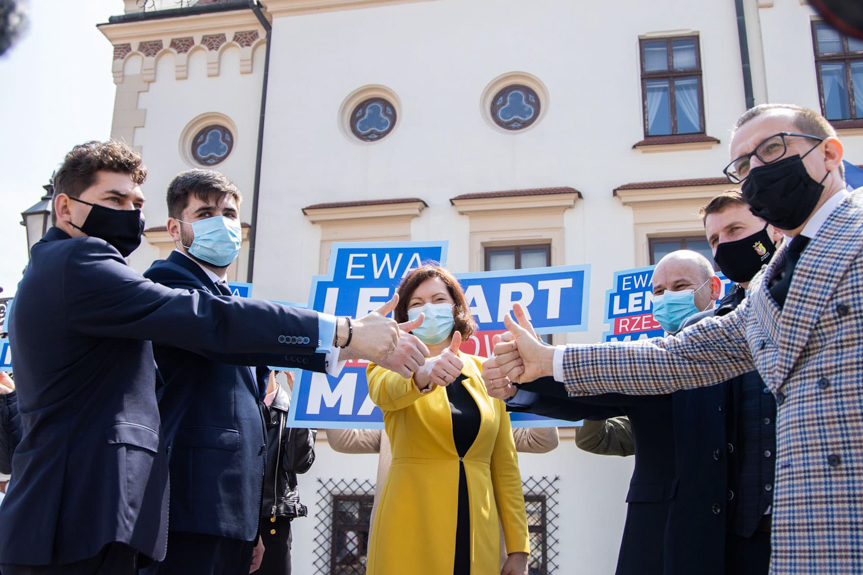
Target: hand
[(516, 564), (257, 555), (498, 386), (376, 338), (524, 358), (443, 369), (6, 384), (409, 354)]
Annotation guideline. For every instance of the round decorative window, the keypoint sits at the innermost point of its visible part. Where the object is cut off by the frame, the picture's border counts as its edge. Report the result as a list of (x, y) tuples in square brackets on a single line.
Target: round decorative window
[(373, 119), (212, 145), (515, 107)]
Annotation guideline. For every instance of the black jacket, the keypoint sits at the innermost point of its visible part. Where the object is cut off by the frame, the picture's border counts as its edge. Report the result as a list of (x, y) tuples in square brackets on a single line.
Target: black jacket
[(10, 430), (291, 451)]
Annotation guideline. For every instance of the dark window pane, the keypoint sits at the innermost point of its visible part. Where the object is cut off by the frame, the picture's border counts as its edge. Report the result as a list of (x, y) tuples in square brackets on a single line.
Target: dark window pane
[(655, 56), (702, 247), (683, 53), (857, 86), (829, 40), (688, 113), (658, 111), (835, 91), (534, 258), (501, 261), (854, 44), (663, 248), (515, 107)]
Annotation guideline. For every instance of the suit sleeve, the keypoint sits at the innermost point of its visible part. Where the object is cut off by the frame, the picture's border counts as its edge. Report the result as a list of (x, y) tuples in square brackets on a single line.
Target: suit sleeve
[(106, 298), (611, 436), (355, 440), (506, 481), (10, 430), (535, 439), (711, 351), (560, 408), (390, 391)]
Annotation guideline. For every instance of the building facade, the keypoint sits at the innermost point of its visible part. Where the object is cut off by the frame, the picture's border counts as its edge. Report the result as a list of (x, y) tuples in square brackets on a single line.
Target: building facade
[(525, 134)]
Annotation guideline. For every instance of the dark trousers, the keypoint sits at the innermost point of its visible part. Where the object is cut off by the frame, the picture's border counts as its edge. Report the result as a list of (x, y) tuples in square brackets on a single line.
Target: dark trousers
[(277, 547), (747, 555), (113, 559), (199, 554)]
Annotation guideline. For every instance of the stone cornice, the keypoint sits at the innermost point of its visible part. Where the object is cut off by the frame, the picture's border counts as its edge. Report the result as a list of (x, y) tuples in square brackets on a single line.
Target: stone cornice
[(365, 211), (211, 32), (298, 7), (491, 205)]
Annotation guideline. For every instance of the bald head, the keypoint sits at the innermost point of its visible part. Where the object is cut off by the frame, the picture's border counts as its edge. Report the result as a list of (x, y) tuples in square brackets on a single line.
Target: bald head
[(684, 270)]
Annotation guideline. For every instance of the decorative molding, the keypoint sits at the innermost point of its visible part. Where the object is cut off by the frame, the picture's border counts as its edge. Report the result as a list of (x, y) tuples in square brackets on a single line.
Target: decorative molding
[(671, 210), (182, 45), (361, 95), (213, 41), (246, 39), (280, 8), (181, 35), (494, 204), (769, 3), (363, 221), (150, 49), (675, 143), (122, 50), (198, 124)]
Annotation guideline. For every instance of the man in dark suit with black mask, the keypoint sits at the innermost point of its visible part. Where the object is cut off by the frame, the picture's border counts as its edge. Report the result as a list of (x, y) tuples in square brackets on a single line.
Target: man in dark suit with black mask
[(90, 492)]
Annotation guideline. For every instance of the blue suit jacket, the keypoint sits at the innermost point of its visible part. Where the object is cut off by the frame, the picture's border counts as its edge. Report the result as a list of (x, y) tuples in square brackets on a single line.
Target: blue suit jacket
[(212, 423), (90, 468), (642, 546)]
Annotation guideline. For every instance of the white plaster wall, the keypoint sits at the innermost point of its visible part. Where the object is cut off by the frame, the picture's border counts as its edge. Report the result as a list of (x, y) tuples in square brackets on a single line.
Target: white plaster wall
[(590, 502)]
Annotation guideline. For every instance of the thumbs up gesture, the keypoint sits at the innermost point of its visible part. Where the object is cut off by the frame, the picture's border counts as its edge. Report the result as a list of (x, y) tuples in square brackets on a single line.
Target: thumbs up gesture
[(496, 384), (443, 369), (523, 357), (380, 339)]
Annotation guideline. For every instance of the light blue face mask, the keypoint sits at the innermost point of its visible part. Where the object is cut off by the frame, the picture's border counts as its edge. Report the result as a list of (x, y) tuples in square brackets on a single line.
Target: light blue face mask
[(673, 307), (437, 324), (217, 240)]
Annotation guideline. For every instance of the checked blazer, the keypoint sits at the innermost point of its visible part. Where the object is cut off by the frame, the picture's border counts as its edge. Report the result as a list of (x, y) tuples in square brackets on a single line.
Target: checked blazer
[(810, 355)]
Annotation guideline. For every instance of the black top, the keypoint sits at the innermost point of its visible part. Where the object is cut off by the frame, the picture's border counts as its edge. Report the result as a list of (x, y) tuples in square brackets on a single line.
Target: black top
[(465, 415)]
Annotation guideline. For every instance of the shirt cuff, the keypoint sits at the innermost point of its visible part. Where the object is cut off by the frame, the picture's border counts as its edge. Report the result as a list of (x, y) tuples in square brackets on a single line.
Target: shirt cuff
[(558, 363), (334, 366), (326, 331)]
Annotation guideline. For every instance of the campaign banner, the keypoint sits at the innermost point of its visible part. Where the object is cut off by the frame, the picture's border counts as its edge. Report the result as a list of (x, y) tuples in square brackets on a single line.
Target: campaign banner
[(240, 289), (364, 276), (5, 350), (629, 305)]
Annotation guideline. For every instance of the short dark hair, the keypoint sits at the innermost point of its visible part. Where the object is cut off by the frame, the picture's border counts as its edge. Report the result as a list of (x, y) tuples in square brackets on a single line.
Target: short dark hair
[(461, 310), (806, 120), (199, 183), (81, 165), (720, 203)]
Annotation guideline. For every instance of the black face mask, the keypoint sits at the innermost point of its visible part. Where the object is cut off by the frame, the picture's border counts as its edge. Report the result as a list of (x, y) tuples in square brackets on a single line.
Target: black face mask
[(782, 193), (120, 228), (740, 260)]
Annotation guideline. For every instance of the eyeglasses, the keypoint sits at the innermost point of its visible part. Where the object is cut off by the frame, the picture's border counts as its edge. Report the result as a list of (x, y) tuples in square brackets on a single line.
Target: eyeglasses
[(768, 151)]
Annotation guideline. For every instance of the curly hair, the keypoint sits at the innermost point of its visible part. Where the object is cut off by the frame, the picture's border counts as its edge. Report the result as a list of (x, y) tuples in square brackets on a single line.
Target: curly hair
[(80, 166)]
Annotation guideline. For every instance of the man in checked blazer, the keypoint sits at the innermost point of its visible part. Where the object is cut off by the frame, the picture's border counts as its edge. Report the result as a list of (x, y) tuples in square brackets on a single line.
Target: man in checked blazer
[(801, 327)]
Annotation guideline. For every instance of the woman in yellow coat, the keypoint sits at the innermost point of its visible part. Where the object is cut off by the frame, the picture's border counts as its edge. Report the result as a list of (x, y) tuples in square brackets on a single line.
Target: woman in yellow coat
[(454, 476)]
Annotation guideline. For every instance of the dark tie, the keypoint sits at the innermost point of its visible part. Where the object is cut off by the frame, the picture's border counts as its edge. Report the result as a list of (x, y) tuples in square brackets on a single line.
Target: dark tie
[(779, 290), (223, 288)]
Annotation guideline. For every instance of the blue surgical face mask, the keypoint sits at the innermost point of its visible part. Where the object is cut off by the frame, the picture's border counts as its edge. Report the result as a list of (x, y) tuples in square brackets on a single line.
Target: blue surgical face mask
[(217, 240), (673, 307), (437, 324)]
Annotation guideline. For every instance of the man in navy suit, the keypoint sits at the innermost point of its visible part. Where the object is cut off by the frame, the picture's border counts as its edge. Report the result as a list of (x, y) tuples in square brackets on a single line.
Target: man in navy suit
[(642, 548), (210, 404), (90, 488)]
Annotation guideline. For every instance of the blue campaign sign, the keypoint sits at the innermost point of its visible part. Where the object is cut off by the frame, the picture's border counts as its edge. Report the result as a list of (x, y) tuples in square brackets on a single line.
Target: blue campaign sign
[(555, 298), (240, 289), (629, 305), (5, 355), (362, 277)]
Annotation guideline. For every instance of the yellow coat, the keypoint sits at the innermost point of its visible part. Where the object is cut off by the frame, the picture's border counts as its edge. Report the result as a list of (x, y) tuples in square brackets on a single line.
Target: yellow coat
[(414, 528)]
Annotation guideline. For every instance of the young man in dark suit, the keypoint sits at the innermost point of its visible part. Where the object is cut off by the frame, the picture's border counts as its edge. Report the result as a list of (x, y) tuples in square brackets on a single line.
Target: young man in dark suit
[(91, 476)]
